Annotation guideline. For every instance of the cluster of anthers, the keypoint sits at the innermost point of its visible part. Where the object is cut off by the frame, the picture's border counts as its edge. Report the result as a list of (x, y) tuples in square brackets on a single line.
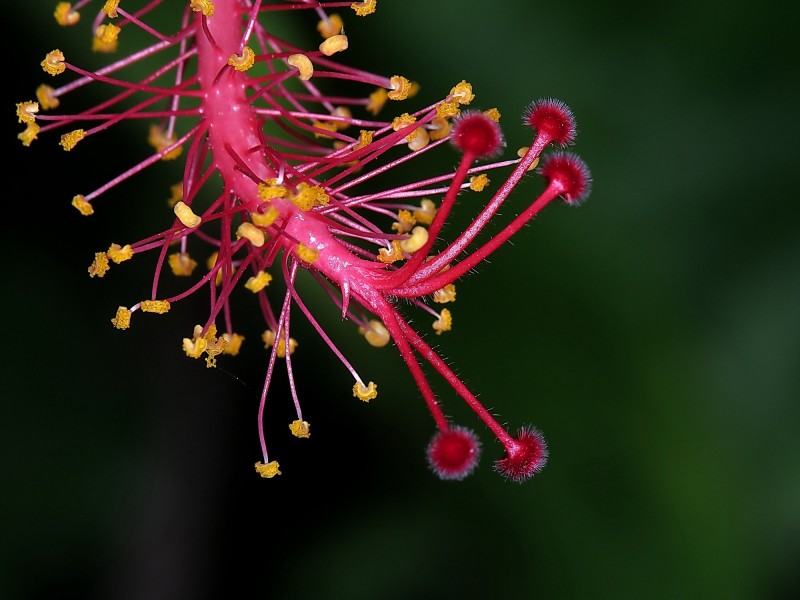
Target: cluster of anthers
[(300, 172)]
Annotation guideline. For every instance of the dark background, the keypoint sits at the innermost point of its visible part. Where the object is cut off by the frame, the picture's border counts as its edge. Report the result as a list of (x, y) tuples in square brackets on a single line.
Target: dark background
[(653, 335)]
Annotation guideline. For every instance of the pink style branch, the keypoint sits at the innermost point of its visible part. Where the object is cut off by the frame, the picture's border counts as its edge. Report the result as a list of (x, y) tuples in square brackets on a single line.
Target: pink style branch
[(299, 169)]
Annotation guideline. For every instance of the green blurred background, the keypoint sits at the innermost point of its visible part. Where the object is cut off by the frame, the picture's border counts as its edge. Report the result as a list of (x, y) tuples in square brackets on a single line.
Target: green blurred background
[(653, 335)]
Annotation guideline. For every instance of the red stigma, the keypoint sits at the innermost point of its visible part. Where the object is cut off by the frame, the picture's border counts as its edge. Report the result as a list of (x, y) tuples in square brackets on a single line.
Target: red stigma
[(553, 119), (525, 456), (453, 453), (475, 133), (570, 173)]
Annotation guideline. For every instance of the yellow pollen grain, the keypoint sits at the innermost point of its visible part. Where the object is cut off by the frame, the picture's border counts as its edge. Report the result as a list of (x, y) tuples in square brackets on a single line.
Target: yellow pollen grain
[(335, 43), (365, 393), (447, 109), (258, 282), (271, 189), (377, 335), (71, 139), (268, 337), (443, 323), (477, 183), (394, 254), (405, 221), (330, 26), (269, 470), (181, 263), (159, 140), (300, 429), (99, 266), (243, 61), (46, 97), (364, 139), (251, 233), (155, 306), (64, 14), (119, 253), (205, 7), (303, 65), (110, 8), (122, 320), (362, 9), (233, 343), (419, 237), (401, 88), (186, 215), (83, 207), (53, 63), (493, 114)]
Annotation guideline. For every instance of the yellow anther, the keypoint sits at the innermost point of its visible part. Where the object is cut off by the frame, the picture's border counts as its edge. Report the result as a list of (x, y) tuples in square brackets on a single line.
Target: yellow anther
[(159, 140), (477, 183), (447, 109), (64, 14), (110, 8), (307, 254), (271, 189), (99, 266), (418, 139), (186, 215), (269, 470), (53, 63), (26, 111), (198, 344), (268, 337), (345, 113), (364, 139), (251, 233), (106, 38), (446, 294), (443, 323), (29, 134), (46, 97), (211, 261), (365, 392), (367, 7), (123, 318), (155, 306), (303, 64), (82, 205), (522, 152), (426, 212), (330, 26), (376, 101), (119, 253), (391, 255), (324, 125), (215, 347), (233, 343), (300, 429), (257, 283), (243, 61), (439, 128), (309, 196), (419, 237), (403, 120), (176, 191), (71, 139), (462, 93), (401, 88), (377, 335), (181, 263), (335, 43), (493, 114), (206, 7), (265, 219), (405, 221)]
